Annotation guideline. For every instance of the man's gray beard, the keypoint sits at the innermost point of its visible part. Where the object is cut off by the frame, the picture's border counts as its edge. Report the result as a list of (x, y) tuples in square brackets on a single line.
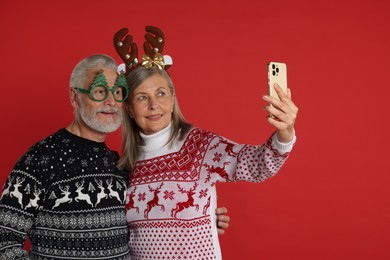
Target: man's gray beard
[(90, 119)]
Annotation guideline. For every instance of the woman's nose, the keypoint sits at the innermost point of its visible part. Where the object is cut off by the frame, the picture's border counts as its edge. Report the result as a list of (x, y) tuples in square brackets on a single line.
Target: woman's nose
[(153, 104)]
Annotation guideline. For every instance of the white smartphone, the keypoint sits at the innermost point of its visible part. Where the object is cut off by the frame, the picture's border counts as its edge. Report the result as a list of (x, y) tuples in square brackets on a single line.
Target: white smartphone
[(277, 73)]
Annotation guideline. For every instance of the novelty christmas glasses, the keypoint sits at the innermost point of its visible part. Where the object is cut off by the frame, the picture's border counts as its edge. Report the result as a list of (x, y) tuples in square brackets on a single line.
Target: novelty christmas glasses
[(99, 88)]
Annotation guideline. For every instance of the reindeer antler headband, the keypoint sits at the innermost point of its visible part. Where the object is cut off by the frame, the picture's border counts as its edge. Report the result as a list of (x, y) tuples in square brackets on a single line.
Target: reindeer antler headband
[(153, 47)]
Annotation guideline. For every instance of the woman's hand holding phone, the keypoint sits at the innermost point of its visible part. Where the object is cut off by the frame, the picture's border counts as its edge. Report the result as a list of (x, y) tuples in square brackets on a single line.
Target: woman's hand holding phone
[(283, 110)]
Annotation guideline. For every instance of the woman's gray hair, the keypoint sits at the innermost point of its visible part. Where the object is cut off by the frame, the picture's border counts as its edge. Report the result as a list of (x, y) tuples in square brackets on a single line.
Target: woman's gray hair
[(92, 62), (131, 139)]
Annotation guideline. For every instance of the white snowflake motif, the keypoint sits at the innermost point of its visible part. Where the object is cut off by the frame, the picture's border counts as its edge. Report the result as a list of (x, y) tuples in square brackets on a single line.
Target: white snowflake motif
[(64, 222), (49, 221), (95, 149), (24, 224), (17, 252), (70, 160), (13, 221), (44, 160), (56, 221), (28, 159), (168, 195), (203, 193), (105, 162), (84, 163), (42, 142), (73, 221), (66, 141), (108, 219), (81, 221), (43, 221), (99, 220), (7, 218), (88, 220)]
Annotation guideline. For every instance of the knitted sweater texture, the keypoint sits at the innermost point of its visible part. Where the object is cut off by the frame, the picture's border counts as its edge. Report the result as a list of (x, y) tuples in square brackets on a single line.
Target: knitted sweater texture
[(67, 196), (172, 197)]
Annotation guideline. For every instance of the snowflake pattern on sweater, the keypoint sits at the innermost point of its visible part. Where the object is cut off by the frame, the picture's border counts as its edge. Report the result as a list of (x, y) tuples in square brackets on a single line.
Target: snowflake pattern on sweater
[(68, 197), (171, 197)]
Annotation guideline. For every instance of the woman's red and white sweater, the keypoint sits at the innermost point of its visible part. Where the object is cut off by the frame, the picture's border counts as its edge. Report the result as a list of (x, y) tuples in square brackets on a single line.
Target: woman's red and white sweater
[(171, 197)]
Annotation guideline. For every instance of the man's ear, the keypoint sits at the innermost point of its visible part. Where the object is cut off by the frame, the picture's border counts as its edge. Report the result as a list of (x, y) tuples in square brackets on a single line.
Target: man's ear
[(73, 97)]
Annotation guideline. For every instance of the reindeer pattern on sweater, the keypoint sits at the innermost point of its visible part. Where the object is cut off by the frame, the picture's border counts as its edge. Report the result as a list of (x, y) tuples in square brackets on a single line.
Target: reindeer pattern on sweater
[(67, 195), (171, 198)]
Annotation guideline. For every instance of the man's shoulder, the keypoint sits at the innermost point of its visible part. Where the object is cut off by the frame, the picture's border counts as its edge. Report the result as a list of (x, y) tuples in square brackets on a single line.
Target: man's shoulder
[(36, 158), (48, 141)]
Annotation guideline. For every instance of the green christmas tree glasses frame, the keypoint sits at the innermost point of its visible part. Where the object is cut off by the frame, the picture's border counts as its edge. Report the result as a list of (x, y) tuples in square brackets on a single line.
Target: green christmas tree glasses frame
[(99, 88)]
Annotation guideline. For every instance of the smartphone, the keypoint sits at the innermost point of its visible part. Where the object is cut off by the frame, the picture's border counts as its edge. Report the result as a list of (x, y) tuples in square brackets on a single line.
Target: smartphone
[(277, 73)]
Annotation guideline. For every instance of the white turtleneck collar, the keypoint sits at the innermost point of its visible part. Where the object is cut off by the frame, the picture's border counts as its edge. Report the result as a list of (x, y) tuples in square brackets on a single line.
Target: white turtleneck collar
[(157, 144), (156, 140)]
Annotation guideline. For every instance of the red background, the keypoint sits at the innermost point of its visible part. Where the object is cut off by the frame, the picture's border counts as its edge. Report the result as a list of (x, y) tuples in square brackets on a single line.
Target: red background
[(331, 200)]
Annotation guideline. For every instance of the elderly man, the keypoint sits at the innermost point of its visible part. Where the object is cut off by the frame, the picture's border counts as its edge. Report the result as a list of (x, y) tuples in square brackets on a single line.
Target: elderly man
[(66, 193)]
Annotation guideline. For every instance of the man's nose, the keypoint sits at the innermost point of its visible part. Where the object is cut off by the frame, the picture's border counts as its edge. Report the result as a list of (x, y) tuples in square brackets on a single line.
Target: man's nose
[(110, 100)]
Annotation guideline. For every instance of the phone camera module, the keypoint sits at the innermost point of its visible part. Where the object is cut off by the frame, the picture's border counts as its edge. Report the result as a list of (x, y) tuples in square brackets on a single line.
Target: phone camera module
[(275, 70)]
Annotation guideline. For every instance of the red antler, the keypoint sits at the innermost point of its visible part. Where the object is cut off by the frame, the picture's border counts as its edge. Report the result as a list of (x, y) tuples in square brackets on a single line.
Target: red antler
[(126, 49), (187, 191)]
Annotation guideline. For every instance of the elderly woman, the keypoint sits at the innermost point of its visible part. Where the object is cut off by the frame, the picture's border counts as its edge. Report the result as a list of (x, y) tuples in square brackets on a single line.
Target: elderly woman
[(175, 166)]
